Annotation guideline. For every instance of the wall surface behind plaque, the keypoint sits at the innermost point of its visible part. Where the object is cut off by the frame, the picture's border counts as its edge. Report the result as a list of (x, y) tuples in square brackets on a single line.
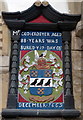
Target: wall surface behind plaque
[(4, 57), (77, 55)]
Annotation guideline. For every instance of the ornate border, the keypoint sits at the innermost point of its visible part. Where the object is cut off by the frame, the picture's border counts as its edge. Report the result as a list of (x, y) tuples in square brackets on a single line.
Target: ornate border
[(14, 64)]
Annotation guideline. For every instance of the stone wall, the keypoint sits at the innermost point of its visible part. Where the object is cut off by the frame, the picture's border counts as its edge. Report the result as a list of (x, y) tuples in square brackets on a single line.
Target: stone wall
[(77, 59), (77, 68), (74, 7), (4, 58)]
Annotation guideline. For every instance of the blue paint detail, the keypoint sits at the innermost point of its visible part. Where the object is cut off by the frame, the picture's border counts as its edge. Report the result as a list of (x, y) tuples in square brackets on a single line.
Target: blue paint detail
[(40, 73), (22, 105), (47, 91), (29, 42)]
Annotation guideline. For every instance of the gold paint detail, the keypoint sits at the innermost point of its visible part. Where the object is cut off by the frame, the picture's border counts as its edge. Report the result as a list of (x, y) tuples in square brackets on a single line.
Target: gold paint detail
[(37, 3), (40, 91), (45, 3), (41, 99)]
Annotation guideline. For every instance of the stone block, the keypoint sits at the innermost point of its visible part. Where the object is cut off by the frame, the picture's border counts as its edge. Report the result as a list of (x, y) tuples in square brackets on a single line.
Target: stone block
[(0, 35), (5, 61), (77, 60), (0, 52), (0, 28), (77, 76), (0, 44), (74, 6), (0, 20), (5, 82), (82, 78), (0, 70), (3, 5), (82, 108), (77, 42), (0, 61), (5, 69), (4, 64), (0, 92), (77, 96), (6, 41), (79, 30)]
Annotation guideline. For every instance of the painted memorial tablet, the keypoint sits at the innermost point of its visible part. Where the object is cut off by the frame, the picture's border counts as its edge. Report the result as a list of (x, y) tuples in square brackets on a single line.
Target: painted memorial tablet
[(40, 71), (41, 65)]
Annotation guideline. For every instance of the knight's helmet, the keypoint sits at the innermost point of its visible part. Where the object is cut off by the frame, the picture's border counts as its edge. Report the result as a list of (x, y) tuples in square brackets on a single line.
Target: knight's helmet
[(40, 59)]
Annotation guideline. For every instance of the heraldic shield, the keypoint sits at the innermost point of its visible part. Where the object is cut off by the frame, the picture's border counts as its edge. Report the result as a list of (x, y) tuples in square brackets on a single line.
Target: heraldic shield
[(41, 82)]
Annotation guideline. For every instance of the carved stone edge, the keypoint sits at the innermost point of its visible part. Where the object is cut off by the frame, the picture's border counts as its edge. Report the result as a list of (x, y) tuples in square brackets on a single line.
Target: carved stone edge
[(67, 70), (13, 113), (14, 61)]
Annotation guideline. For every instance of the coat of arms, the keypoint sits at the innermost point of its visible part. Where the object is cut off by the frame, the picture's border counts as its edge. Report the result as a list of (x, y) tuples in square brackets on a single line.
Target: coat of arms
[(40, 75)]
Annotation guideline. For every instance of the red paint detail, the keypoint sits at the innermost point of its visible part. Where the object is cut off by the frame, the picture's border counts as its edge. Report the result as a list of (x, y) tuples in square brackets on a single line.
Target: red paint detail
[(21, 71), (23, 52), (40, 19), (21, 99), (24, 83), (23, 63), (52, 64), (58, 67), (53, 75), (59, 53), (61, 76), (49, 62), (60, 99), (28, 77)]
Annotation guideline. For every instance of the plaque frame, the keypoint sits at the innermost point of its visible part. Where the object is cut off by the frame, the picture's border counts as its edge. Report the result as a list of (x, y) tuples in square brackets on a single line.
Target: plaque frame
[(18, 22)]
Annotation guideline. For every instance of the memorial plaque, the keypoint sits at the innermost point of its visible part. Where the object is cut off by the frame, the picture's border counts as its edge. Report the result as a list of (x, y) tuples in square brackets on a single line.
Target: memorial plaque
[(40, 71), (40, 82)]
